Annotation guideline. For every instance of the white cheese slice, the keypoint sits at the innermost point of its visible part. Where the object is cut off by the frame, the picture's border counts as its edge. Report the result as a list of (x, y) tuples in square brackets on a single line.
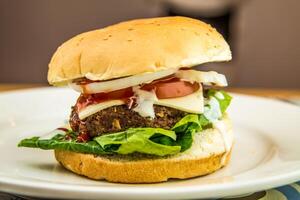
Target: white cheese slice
[(192, 103), (92, 109)]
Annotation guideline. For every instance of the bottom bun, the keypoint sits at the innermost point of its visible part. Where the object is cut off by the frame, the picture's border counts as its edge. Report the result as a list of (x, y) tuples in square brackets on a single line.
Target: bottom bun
[(207, 154)]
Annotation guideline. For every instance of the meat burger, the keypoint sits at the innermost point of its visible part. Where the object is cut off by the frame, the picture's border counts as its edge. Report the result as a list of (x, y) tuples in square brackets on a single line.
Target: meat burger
[(143, 114)]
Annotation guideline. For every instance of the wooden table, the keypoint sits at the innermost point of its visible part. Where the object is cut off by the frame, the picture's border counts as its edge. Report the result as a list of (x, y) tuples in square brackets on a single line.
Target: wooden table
[(272, 93)]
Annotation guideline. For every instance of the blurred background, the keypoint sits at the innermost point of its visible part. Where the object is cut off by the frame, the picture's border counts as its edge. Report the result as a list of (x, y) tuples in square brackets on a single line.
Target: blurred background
[(264, 34)]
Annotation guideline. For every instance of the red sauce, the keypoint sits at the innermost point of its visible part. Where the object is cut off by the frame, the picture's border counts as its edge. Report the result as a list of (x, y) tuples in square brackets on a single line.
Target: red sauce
[(83, 137), (167, 87), (68, 137), (84, 81), (131, 102), (85, 100), (185, 68)]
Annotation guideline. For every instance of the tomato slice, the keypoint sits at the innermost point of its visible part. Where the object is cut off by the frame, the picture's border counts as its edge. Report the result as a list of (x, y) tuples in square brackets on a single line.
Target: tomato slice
[(171, 88)]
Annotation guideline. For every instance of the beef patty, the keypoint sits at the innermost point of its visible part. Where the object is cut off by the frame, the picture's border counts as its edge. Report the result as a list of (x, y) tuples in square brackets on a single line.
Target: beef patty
[(120, 118)]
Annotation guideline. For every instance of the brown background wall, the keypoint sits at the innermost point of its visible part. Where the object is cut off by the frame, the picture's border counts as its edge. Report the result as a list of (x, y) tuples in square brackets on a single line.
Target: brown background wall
[(264, 33), (31, 30), (268, 43)]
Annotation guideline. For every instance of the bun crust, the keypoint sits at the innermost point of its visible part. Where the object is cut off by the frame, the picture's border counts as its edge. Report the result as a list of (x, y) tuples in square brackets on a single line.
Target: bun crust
[(144, 171), (136, 47), (205, 156)]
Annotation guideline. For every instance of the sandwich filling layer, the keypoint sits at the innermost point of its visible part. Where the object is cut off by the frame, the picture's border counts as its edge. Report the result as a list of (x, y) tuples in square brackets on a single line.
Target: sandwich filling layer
[(192, 103), (160, 118)]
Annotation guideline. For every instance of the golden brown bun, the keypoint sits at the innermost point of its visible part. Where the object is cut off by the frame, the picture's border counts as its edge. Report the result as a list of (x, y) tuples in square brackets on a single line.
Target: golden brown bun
[(135, 47), (205, 156), (144, 171)]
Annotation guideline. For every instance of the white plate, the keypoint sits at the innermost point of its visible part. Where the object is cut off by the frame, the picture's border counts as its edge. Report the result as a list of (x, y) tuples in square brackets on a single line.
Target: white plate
[(266, 153)]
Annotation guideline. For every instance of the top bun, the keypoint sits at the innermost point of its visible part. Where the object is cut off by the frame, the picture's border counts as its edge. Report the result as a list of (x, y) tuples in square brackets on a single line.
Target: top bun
[(135, 47)]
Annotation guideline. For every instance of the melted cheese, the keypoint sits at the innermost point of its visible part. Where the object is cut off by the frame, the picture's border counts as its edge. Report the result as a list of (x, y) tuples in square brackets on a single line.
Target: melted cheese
[(212, 110), (227, 137), (192, 103), (207, 78), (145, 101)]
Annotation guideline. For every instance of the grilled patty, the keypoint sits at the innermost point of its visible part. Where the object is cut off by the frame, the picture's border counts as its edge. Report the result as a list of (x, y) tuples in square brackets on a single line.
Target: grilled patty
[(120, 118)]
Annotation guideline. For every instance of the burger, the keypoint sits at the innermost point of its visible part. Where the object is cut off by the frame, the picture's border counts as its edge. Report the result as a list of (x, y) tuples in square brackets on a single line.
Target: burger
[(143, 115)]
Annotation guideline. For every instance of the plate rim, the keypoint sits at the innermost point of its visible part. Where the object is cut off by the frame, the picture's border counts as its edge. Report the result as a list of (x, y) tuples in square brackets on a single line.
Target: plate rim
[(230, 188)]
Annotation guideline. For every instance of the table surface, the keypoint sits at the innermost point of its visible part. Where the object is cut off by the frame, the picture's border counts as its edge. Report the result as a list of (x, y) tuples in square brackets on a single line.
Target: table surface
[(272, 93)]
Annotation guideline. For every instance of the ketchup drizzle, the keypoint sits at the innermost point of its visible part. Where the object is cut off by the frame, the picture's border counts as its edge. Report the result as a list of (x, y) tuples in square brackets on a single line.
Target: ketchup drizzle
[(127, 94), (88, 99), (83, 137)]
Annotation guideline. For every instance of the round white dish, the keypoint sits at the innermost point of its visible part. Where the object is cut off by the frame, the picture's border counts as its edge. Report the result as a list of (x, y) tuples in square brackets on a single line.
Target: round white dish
[(266, 153)]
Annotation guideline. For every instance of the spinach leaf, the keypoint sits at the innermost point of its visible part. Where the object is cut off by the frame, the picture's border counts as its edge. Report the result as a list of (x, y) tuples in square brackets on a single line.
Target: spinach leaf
[(57, 142), (139, 140)]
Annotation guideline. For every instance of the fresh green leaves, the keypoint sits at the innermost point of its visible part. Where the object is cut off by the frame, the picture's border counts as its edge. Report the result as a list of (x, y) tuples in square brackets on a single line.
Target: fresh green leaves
[(205, 123), (139, 140), (155, 141), (59, 142), (218, 101), (222, 97), (216, 104), (188, 122), (185, 130), (187, 127)]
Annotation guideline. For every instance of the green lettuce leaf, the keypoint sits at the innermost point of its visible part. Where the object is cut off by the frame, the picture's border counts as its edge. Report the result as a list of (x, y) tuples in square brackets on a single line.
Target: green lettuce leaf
[(59, 142), (223, 98), (188, 122), (138, 140), (185, 130), (205, 123), (187, 127), (216, 104)]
